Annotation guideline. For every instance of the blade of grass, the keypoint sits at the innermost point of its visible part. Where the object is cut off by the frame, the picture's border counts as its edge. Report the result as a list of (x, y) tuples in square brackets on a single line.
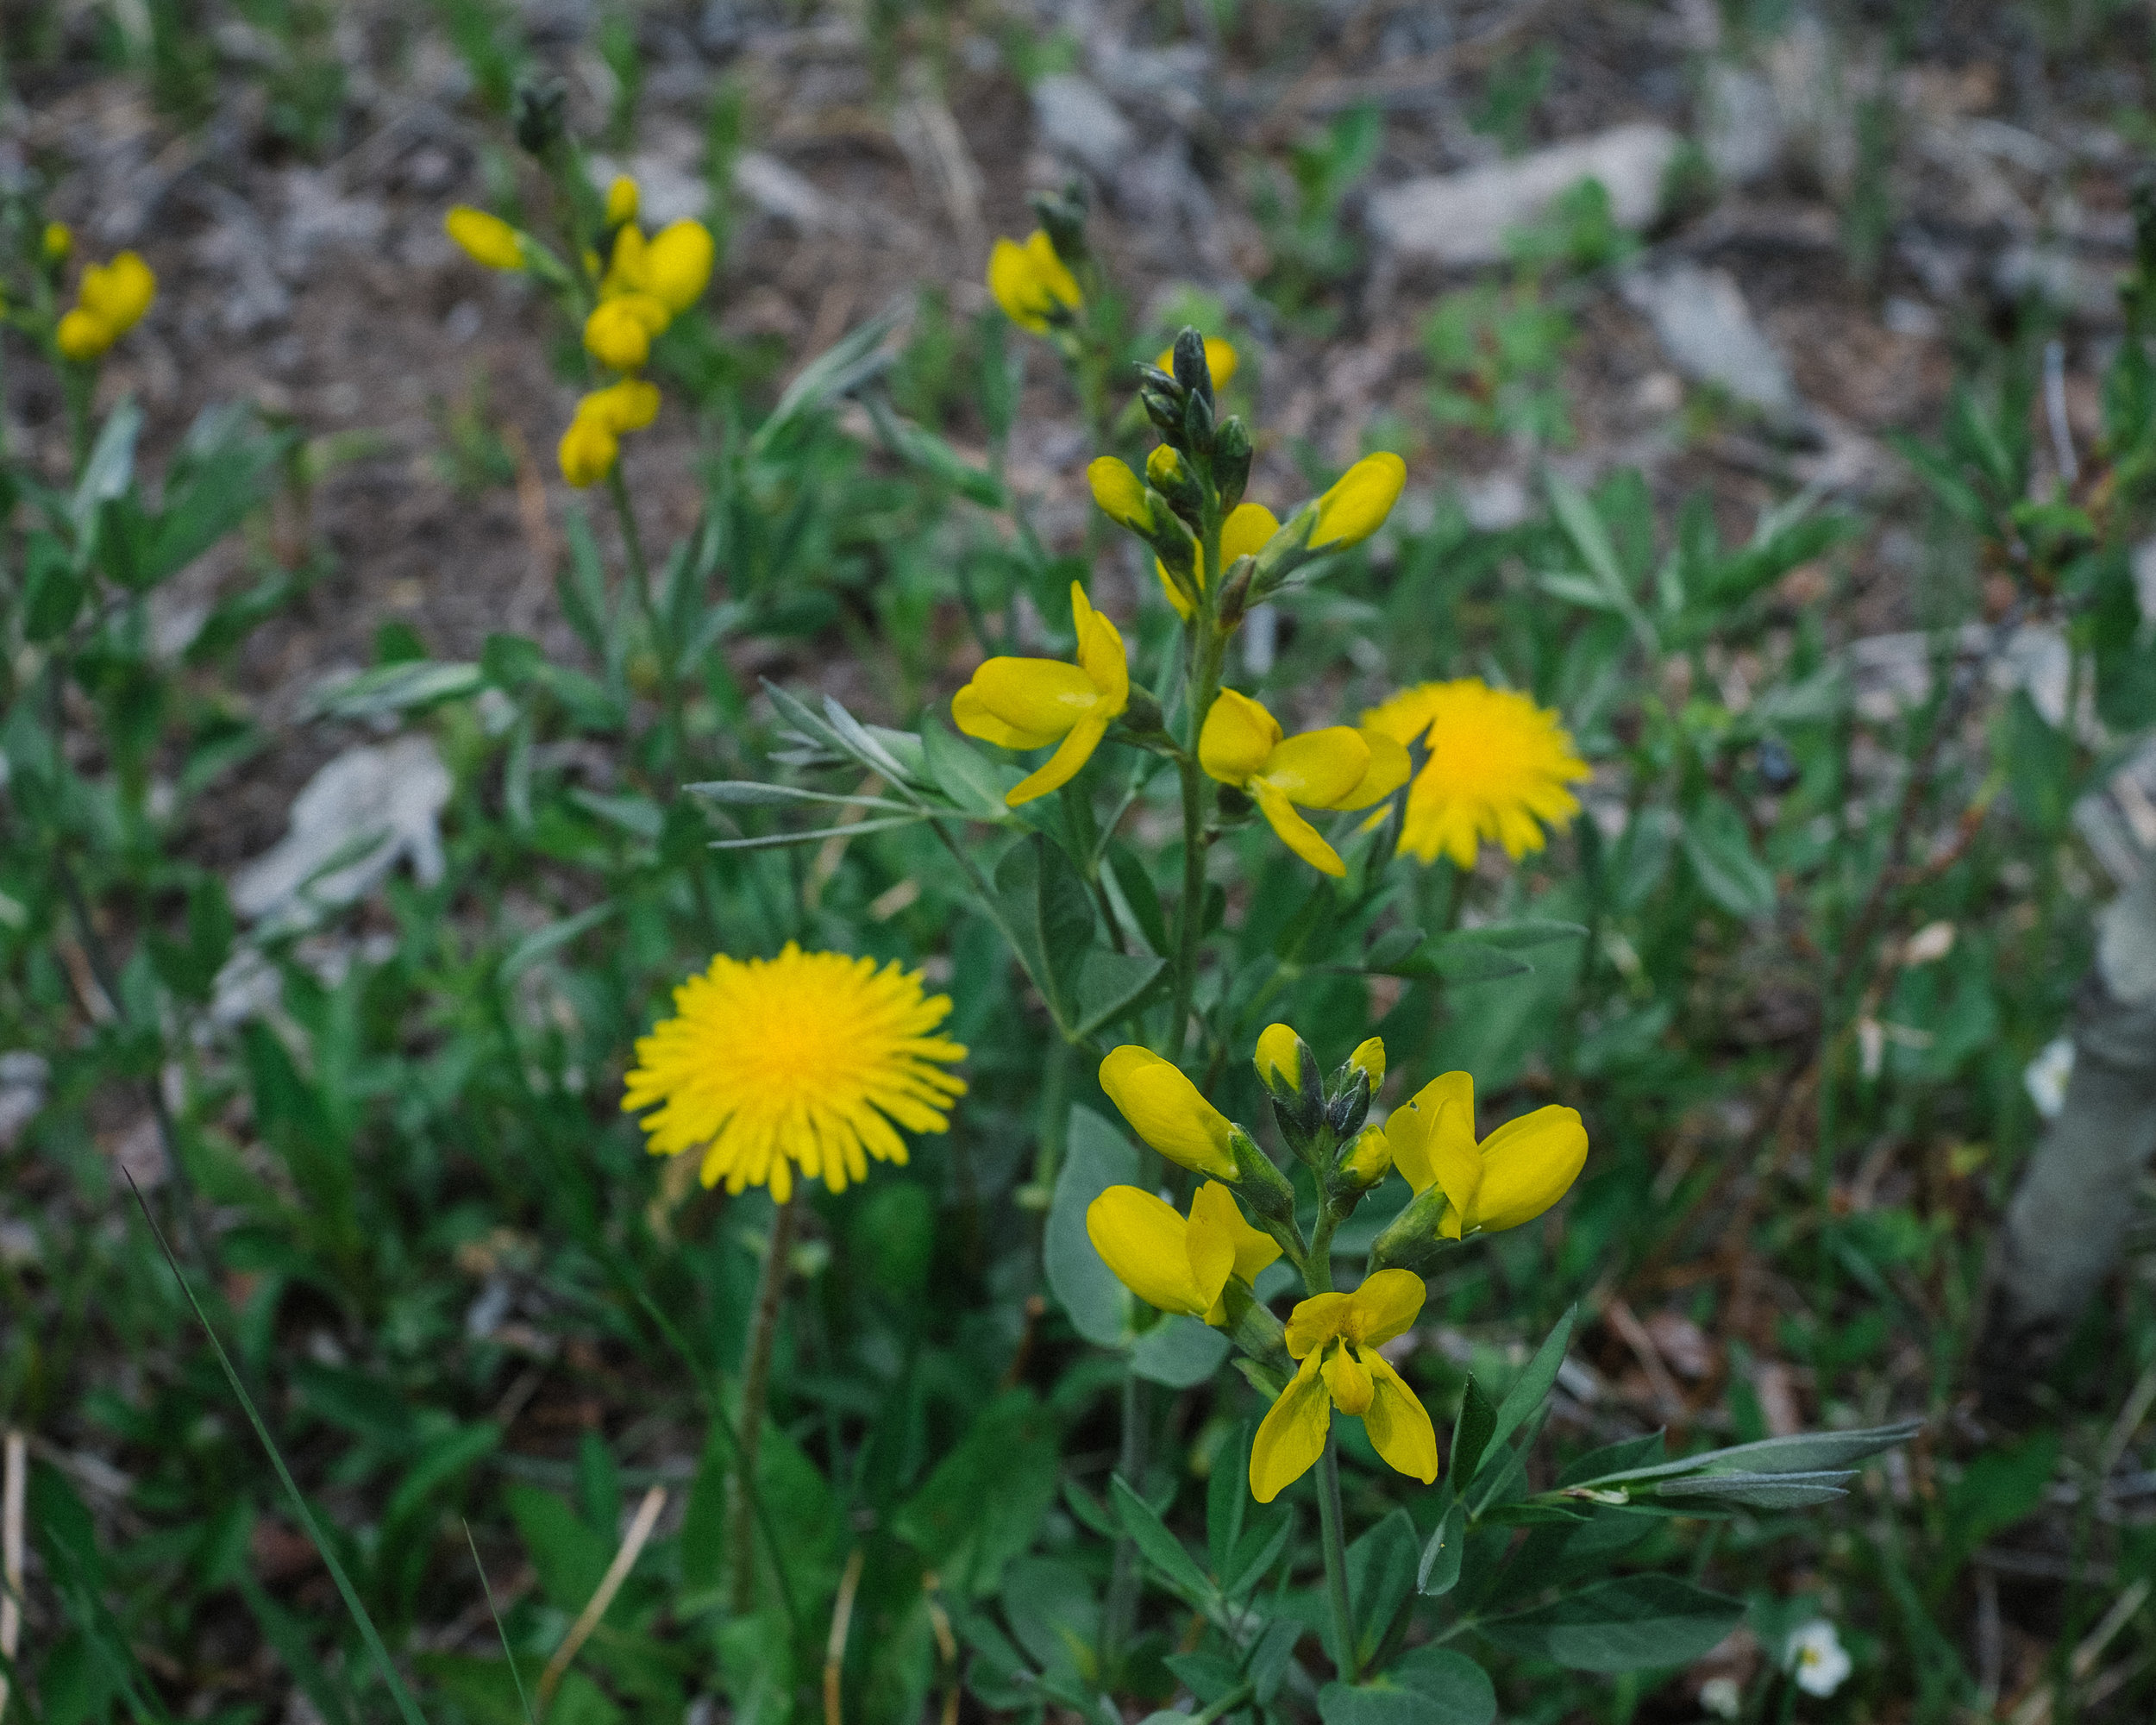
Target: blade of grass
[(501, 1635), (405, 1705)]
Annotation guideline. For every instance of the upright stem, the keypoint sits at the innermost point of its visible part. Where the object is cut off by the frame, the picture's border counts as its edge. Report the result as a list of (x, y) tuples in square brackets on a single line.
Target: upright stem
[(1330, 1524), (1206, 649), (640, 584), (1122, 1602), (754, 1385)]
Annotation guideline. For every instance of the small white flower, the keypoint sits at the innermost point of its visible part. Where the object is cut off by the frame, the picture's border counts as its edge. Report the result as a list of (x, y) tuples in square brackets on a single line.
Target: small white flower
[(1816, 1658), (1721, 1696), (2046, 1076)]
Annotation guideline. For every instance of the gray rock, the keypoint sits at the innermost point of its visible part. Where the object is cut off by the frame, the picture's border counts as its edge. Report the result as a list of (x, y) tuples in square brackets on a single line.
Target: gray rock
[(1700, 319), (1462, 218), (1741, 127), (780, 192), (355, 820), (1075, 119)]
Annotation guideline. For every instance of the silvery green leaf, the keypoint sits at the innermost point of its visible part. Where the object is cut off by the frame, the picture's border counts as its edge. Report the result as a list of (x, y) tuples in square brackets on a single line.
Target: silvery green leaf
[(388, 689), (1800, 1452), (756, 793), (773, 841), (1754, 1490)]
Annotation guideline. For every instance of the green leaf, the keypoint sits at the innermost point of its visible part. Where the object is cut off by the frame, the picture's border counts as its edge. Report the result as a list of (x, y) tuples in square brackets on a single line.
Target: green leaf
[(1380, 1566), (1429, 1686), (974, 784), (542, 943), (1471, 1431), (569, 1554), (1227, 1497), (1528, 931), (390, 689), (1719, 847), (1753, 1491), (111, 469), (1160, 1547), (983, 1503), (1109, 984), (1439, 1572), (53, 589), (1046, 912), (1097, 1157), (1052, 1611), (1179, 1351), (1800, 1452), (1636, 1623), (1614, 1459), (1591, 538), (1532, 1384)]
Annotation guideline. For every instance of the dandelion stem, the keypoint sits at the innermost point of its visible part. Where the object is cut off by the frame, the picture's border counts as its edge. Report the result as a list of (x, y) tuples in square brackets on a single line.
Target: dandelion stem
[(755, 1386), (1330, 1522)]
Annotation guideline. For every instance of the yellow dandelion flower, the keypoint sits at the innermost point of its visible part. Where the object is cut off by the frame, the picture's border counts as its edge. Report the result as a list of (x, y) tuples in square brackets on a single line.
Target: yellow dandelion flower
[(1498, 765), (811, 1061)]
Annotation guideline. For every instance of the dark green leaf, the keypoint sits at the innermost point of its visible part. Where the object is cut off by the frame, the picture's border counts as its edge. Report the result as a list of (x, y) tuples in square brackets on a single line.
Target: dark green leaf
[(1719, 847), (1528, 1389), (1471, 1431), (1439, 1572), (1097, 1157), (1179, 1351), (1161, 1548), (1638, 1623), (1109, 984)]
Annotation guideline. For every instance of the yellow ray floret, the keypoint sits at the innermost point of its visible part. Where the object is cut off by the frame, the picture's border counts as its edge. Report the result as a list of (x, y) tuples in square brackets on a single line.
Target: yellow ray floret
[(808, 1064), (1511, 1176), (1176, 1264), (1337, 1336), (1498, 768), (1031, 703), (1167, 1110), (1031, 282), (1337, 768)]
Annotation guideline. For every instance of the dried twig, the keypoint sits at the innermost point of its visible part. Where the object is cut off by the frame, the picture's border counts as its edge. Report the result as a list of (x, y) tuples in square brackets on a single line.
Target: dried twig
[(632, 1545), (834, 1647), (15, 1473)]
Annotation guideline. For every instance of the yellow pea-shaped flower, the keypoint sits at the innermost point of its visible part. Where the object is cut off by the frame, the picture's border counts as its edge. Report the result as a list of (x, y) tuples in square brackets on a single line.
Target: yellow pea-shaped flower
[(1242, 745), (619, 331), (1176, 1264), (1357, 506), (1337, 1336), (1032, 702), (621, 201), (1165, 1109), (1031, 282), (484, 239), (1510, 1177), (1242, 533), (1120, 493), (588, 450)]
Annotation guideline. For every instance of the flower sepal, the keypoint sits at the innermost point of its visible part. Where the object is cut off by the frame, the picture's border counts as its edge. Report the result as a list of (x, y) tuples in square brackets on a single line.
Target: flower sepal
[(1253, 1330), (1264, 1187), (1411, 1241)]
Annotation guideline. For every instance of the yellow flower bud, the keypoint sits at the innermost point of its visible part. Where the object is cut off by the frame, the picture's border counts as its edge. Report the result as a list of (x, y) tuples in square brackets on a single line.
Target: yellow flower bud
[(118, 293), (1165, 1109), (1031, 282), (1120, 492), (82, 335), (486, 239), (1164, 468), (618, 332), (1279, 1059), (588, 450), (630, 404), (58, 242), (678, 264), (1357, 507), (1368, 1059), (621, 201), (1369, 1157)]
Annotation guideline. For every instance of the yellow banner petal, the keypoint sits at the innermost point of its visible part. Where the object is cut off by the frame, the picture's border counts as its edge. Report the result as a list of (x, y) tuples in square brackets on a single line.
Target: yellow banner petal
[(1385, 1306), (1527, 1165)]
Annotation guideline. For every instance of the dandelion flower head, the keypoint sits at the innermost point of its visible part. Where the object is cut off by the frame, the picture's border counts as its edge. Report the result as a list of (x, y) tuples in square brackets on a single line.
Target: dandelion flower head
[(1499, 767), (807, 1063)]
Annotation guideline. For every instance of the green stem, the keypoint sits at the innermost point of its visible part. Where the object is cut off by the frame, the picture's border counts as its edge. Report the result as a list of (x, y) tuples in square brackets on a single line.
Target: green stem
[(640, 584), (1207, 646), (1330, 1523), (1055, 1118), (755, 1386), (1121, 1612)]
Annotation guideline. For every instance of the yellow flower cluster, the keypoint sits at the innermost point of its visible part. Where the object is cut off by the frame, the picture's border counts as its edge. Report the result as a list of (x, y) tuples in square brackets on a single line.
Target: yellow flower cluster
[(648, 281), (1191, 1265), (109, 302)]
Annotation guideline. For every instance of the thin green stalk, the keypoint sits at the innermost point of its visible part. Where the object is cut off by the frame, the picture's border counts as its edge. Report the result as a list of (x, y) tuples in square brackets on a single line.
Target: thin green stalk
[(1330, 1523), (1121, 1610), (1206, 649), (755, 1385), (640, 584), (1055, 1136)]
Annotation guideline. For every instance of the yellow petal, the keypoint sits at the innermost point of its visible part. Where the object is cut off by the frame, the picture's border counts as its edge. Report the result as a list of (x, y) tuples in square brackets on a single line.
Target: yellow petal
[(1398, 1425), (119, 292), (621, 201), (83, 334), (484, 239), (618, 333), (625, 266), (1184, 609), (1357, 507), (1051, 277), (1369, 1156), (1064, 765), (1383, 1307), (1317, 768), (1221, 360), (971, 716), (1314, 1322), (1143, 1240), (57, 241), (1368, 1059), (1527, 1165), (1386, 772), (678, 264), (1010, 286), (1165, 1109), (1210, 1239), (1279, 1059), (1120, 492), (1291, 1437), (1101, 655), (1238, 736), (1044, 697), (1293, 831), (1164, 468), (1244, 532), (1348, 1380)]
